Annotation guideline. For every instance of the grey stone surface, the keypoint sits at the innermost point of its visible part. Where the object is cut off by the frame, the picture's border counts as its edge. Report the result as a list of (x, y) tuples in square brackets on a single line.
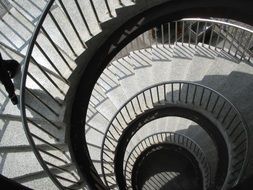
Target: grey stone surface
[(120, 81), (4, 7)]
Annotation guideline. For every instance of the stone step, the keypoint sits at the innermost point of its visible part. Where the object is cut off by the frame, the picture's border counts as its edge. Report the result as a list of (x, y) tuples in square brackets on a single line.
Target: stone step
[(28, 148), (203, 59), (222, 67)]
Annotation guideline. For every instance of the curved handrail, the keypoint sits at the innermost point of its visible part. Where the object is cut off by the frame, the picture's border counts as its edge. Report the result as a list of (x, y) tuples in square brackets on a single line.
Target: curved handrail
[(148, 89), (199, 155), (22, 95), (25, 73), (29, 135), (218, 22)]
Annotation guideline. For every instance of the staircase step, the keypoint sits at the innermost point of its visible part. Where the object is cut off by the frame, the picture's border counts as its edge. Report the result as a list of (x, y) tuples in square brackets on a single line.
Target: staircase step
[(25, 163), (30, 9), (102, 103), (41, 184), (40, 178), (222, 67), (162, 52), (203, 59), (28, 148), (127, 84), (110, 84)]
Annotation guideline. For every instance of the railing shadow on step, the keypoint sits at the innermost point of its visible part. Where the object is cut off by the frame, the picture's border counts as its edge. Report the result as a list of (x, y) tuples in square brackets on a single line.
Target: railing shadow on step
[(23, 34), (165, 177), (209, 81), (184, 92), (80, 46)]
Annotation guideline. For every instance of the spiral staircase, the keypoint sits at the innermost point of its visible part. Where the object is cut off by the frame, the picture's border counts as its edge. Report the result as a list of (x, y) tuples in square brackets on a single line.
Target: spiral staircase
[(126, 94)]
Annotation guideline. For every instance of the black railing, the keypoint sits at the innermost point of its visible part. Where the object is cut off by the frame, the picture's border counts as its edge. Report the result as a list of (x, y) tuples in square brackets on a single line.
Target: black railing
[(50, 61), (168, 138), (182, 94)]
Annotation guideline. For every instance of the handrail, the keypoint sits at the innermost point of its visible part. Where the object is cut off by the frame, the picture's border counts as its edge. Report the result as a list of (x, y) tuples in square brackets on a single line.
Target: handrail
[(218, 22), (163, 85), (29, 134), (195, 150), (49, 75), (22, 95)]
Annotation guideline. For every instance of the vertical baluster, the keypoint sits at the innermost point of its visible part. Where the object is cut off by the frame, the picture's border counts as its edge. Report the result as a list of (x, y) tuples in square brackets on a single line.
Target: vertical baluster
[(164, 91), (183, 33), (204, 35), (123, 117), (221, 109), (211, 36), (151, 95), (119, 123), (115, 129), (226, 37), (138, 101), (233, 39), (202, 95), (176, 32), (71, 23), (216, 101), (145, 99), (172, 93), (108, 8), (194, 94), (190, 34), (179, 94), (226, 115), (84, 20), (187, 92), (95, 12), (209, 98), (218, 38), (231, 121), (157, 92), (156, 43), (128, 113), (197, 33), (132, 105), (162, 29), (169, 37)]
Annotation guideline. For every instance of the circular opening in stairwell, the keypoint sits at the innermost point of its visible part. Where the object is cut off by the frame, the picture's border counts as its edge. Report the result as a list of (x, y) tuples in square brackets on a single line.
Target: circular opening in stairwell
[(102, 57), (159, 113), (166, 166), (195, 102), (176, 131), (199, 32)]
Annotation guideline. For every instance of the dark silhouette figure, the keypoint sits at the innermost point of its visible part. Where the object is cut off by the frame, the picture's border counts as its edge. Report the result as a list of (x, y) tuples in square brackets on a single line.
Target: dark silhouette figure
[(8, 69), (6, 183)]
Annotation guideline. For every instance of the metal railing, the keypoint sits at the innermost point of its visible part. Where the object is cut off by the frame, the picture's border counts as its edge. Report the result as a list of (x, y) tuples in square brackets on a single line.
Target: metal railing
[(168, 138), (196, 32), (193, 96), (57, 41)]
